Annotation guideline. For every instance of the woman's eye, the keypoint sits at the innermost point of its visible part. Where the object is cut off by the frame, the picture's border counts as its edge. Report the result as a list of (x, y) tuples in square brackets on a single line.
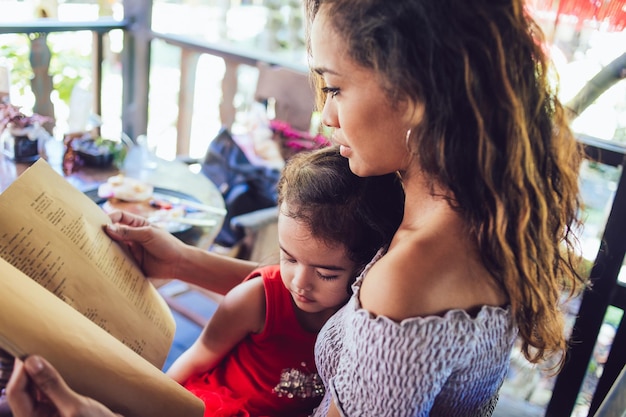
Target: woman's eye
[(332, 91)]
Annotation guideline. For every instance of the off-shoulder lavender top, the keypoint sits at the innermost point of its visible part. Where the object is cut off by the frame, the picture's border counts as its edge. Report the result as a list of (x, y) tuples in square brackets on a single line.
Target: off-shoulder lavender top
[(450, 365)]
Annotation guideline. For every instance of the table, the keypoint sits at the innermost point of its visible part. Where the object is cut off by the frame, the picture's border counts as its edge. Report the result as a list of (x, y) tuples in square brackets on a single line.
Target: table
[(170, 175)]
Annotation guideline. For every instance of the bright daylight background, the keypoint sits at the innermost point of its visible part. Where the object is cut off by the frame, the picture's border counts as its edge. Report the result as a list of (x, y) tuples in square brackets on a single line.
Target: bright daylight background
[(579, 51)]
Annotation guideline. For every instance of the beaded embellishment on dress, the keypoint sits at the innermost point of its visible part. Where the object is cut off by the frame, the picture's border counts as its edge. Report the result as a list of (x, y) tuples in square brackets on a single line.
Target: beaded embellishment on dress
[(295, 383)]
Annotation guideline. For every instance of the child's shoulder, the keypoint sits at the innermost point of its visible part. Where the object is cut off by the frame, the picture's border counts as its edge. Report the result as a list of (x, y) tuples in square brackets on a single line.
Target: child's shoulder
[(248, 294), (268, 271), (246, 303), (251, 286)]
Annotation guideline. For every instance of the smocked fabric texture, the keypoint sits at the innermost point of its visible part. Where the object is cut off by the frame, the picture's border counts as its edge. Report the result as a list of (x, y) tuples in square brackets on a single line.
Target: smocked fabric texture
[(450, 365)]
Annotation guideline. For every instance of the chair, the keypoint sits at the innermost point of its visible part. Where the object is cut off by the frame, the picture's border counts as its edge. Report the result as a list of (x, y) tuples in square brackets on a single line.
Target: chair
[(260, 242), (614, 404), (293, 99), (292, 92)]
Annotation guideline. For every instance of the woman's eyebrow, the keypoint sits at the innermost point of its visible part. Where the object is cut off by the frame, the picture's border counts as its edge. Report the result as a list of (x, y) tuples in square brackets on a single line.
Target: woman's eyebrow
[(323, 70)]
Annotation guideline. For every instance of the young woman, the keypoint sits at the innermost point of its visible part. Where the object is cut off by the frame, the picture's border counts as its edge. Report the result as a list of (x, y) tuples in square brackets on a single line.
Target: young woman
[(455, 96), (255, 356)]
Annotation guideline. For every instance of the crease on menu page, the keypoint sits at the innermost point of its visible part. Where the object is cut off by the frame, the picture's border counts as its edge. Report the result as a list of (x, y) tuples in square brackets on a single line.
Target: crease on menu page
[(54, 234), (34, 321)]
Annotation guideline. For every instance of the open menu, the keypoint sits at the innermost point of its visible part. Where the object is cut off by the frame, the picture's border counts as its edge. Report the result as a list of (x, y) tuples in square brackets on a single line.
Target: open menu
[(71, 294)]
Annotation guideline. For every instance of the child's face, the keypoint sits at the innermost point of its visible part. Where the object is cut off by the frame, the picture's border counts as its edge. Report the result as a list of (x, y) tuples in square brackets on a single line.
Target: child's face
[(317, 275)]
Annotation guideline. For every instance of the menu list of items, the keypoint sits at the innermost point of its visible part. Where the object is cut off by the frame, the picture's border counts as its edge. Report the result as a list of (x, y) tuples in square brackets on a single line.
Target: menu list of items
[(71, 294)]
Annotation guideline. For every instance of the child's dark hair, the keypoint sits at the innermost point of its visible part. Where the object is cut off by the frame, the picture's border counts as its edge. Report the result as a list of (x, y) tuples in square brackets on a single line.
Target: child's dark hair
[(338, 206)]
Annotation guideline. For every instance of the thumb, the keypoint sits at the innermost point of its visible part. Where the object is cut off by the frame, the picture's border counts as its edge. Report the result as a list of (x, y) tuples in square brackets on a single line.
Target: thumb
[(49, 381), (127, 233), (67, 402)]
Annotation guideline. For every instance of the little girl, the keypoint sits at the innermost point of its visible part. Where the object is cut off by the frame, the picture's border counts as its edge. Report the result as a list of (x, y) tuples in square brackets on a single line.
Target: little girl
[(255, 356)]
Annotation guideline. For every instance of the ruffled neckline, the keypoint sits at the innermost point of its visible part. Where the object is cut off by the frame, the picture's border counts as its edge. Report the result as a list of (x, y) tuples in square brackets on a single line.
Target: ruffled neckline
[(485, 313)]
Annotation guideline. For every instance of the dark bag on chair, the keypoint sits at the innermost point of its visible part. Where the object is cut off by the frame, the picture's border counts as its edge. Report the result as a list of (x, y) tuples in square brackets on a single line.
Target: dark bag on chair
[(244, 186)]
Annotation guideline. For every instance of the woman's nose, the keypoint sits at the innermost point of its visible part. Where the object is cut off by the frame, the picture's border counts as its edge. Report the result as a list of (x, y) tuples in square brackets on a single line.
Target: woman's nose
[(329, 114)]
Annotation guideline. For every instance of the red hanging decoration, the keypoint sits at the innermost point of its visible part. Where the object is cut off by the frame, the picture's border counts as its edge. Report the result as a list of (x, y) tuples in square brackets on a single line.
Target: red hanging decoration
[(608, 13)]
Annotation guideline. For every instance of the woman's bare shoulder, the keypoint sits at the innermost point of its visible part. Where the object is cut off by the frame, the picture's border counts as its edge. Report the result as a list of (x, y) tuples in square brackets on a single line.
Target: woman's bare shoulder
[(396, 285), (422, 278)]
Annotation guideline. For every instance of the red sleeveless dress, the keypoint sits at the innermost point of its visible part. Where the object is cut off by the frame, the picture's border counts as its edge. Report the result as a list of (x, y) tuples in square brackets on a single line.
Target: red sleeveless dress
[(272, 373)]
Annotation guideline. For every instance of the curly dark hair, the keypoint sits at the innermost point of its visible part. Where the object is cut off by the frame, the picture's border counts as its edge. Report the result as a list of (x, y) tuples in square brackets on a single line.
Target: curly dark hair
[(494, 133), (338, 206)]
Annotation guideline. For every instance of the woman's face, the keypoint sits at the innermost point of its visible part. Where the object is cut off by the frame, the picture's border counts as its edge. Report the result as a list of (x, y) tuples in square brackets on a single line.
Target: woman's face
[(371, 132), (317, 275)]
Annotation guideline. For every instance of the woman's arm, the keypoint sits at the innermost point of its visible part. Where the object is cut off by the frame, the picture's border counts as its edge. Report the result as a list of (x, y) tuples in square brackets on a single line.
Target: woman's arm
[(241, 312), (212, 271), (162, 255)]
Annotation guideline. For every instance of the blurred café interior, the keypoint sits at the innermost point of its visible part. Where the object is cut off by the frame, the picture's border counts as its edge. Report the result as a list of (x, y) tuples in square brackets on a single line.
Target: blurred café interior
[(156, 82)]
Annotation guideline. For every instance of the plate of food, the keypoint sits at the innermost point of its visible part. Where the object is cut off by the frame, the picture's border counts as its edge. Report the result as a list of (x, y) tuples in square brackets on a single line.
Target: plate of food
[(172, 210)]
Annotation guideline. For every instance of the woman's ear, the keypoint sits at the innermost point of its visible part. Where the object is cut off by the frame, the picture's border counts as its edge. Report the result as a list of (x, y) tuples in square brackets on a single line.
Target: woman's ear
[(415, 113)]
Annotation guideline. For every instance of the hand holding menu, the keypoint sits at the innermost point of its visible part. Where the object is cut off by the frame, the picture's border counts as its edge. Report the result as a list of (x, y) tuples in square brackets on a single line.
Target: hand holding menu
[(71, 294)]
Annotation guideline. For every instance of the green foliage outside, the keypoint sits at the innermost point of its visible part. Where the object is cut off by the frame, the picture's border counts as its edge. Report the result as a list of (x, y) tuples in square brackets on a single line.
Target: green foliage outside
[(16, 49), (68, 66), (613, 316)]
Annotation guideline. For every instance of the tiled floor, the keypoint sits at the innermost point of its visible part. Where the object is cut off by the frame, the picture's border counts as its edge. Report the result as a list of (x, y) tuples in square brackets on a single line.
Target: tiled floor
[(186, 333), (186, 330), (512, 407)]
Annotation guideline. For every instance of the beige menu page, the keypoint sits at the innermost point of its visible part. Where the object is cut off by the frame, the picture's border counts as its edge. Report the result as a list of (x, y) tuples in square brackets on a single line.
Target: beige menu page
[(59, 274)]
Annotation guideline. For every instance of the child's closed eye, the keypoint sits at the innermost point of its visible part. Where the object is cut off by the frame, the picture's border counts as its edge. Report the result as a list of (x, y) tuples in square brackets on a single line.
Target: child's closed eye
[(327, 277)]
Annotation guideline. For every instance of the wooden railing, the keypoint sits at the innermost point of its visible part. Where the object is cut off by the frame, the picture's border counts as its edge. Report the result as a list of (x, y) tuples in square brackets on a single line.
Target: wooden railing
[(135, 59), (46, 26), (233, 57)]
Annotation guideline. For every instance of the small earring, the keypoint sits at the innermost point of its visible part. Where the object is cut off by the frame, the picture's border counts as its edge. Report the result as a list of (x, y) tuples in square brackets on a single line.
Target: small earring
[(407, 138)]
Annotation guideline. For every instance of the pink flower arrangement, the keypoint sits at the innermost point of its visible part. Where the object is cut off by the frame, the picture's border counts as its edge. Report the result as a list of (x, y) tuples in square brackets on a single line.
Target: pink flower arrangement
[(11, 115), (297, 140)]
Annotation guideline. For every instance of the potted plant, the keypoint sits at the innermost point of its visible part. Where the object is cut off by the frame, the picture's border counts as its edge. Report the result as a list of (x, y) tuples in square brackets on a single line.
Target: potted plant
[(22, 136)]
